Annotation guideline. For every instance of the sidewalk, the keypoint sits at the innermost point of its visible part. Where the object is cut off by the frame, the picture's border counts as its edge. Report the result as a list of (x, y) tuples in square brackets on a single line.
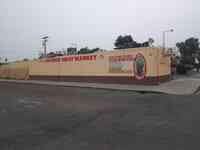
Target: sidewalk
[(184, 86)]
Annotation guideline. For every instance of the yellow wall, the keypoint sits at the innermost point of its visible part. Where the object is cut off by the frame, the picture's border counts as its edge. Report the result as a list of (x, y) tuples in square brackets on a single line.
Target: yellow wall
[(100, 66), (165, 67), (18, 70), (157, 65)]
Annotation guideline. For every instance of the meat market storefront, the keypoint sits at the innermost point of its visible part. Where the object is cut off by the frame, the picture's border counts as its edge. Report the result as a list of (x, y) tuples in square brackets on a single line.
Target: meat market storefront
[(128, 66)]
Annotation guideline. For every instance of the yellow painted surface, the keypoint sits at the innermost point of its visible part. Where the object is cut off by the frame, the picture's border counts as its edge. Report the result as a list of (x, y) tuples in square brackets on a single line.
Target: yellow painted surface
[(156, 64), (18, 70), (165, 68), (109, 63)]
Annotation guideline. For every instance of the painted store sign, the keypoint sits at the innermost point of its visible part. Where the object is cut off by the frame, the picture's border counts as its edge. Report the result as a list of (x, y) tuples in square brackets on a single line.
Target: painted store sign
[(128, 64), (72, 58), (123, 64)]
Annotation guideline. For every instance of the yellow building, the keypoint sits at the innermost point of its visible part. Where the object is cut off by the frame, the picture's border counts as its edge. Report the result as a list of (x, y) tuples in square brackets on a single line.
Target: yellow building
[(128, 66)]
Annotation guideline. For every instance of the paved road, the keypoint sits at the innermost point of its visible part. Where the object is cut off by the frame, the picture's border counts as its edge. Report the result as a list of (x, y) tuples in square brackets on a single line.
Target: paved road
[(39, 117)]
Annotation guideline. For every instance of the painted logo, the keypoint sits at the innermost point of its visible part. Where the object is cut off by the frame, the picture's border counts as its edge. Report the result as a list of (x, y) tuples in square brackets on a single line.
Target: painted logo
[(121, 64), (140, 67)]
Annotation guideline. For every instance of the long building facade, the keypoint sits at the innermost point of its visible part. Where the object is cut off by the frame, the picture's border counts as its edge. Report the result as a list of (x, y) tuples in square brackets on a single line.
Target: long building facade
[(127, 66)]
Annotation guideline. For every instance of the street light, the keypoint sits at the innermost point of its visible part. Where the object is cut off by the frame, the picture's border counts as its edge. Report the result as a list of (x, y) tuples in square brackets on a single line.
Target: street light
[(164, 33)]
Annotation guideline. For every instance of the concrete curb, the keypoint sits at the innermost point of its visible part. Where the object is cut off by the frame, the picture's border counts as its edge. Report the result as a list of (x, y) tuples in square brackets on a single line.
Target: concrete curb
[(83, 85), (175, 87)]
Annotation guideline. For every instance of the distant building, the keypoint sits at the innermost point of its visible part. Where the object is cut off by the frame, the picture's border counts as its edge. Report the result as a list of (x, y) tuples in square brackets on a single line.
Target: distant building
[(71, 51)]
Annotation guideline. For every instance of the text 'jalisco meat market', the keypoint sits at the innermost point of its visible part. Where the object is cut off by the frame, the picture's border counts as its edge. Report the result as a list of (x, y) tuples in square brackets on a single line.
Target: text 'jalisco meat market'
[(72, 58)]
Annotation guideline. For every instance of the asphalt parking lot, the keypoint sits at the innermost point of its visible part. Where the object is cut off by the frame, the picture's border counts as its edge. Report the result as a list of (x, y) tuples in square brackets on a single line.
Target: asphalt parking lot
[(39, 117)]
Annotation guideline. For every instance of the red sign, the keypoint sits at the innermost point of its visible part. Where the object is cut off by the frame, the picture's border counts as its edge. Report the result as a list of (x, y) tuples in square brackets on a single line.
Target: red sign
[(72, 58)]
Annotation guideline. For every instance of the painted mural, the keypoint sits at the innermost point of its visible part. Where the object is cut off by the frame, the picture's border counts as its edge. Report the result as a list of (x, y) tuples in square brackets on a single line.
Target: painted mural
[(147, 65), (140, 67), (121, 64)]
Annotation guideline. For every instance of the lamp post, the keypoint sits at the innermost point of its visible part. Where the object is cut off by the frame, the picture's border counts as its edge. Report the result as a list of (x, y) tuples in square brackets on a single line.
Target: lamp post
[(164, 34)]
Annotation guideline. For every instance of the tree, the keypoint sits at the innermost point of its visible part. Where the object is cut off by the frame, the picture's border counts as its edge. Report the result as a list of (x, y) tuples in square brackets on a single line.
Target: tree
[(25, 59), (123, 42), (95, 50), (151, 41), (188, 47), (6, 60), (86, 50), (0, 60)]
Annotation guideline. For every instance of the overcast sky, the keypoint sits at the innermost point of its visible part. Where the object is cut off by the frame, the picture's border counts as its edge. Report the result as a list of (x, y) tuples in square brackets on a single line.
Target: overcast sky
[(92, 23)]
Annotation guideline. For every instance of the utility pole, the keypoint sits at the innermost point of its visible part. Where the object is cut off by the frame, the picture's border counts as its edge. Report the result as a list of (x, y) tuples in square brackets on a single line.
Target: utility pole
[(44, 44)]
